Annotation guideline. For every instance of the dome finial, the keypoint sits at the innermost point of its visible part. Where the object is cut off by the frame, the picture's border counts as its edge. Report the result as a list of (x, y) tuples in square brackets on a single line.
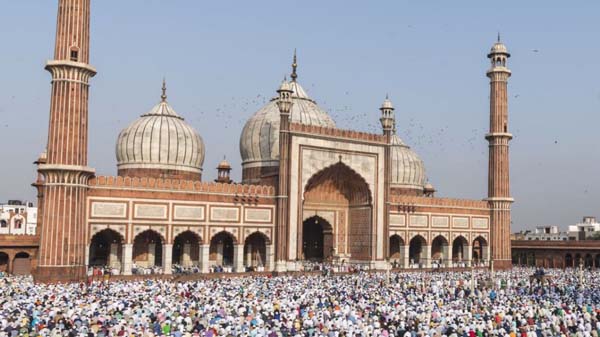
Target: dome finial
[(163, 97), (498, 36), (294, 67)]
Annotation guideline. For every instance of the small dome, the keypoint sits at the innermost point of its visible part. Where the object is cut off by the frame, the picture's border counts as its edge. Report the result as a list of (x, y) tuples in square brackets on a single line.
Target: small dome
[(160, 140), (387, 104), (429, 187), (285, 86), (499, 48), (408, 170), (259, 141), (224, 164)]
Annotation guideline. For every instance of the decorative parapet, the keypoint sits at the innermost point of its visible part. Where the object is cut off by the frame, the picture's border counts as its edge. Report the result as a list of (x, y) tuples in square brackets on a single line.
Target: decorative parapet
[(439, 202), (338, 133), (180, 185)]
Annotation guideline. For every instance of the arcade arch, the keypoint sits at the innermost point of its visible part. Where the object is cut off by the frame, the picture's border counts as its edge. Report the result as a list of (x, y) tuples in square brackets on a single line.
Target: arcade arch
[(106, 249), (148, 249)]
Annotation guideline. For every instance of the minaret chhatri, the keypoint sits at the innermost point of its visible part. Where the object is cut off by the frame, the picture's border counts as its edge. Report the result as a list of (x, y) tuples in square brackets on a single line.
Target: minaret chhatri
[(65, 172), (498, 171)]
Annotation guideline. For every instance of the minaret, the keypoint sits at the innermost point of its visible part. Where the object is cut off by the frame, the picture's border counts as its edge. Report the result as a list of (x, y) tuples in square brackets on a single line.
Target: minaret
[(65, 172), (388, 124), (284, 103), (388, 120), (498, 171)]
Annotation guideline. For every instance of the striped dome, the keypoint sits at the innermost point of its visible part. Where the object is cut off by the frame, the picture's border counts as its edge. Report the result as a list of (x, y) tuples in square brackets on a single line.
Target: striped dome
[(259, 142), (408, 170), (161, 140)]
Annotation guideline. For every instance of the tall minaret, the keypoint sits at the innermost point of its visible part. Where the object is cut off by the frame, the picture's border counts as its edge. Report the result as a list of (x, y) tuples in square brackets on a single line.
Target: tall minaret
[(284, 103), (498, 171), (388, 124), (65, 172)]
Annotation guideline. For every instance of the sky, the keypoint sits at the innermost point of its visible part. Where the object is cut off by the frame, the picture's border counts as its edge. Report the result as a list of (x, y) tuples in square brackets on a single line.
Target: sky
[(224, 59)]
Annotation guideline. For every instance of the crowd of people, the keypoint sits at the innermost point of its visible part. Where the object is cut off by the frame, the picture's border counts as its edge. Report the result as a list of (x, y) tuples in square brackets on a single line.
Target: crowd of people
[(409, 304)]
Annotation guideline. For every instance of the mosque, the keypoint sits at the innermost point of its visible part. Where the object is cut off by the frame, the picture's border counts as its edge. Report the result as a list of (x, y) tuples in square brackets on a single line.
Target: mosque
[(309, 191)]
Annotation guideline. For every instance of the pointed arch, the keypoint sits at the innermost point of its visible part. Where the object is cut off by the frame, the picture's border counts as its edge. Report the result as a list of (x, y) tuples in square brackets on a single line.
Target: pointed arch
[(106, 248), (255, 250), (417, 253), (460, 245), (221, 248), (186, 248), (148, 248), (439, 248), (479, 247), (317, 239), (344, 179), (396, 246)]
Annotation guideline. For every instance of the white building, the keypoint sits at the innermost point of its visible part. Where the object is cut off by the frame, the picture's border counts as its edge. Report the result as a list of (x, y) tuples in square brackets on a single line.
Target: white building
[(18, 218), (587, 229), (546, 233)]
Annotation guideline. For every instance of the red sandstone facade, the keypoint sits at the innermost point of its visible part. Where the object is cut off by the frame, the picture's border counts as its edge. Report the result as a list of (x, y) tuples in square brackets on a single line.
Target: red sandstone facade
[(330, 198), (556, 254)]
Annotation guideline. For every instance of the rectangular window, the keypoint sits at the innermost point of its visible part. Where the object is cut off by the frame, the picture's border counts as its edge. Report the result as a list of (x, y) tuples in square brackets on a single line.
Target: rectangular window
[(74, 55)]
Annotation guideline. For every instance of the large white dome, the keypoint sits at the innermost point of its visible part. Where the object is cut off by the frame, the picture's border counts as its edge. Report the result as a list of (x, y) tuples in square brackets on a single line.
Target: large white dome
[(160, 140), (408, 170), (259, 142)]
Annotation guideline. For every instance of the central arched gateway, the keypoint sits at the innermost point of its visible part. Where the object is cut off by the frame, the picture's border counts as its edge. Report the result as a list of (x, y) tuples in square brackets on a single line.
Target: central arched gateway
[(337, 213), (317, 239)]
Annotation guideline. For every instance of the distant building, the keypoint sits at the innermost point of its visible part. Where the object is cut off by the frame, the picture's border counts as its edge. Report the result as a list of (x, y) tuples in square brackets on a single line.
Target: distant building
[(18, 218), (546, 246), (18, 240), (545, 233), (588, 229)]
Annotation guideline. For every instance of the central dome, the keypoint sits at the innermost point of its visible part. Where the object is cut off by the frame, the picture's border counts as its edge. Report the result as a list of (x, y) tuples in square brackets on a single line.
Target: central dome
[(259, 142), (160, 144)]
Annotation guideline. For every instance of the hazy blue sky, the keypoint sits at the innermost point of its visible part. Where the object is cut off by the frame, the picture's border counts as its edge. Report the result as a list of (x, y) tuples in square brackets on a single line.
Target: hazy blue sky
[(223, 59)]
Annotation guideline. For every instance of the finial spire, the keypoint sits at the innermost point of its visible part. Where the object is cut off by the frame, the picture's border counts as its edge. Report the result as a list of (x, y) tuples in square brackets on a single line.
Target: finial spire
[(294, 66), (163, 97), (498, 36)]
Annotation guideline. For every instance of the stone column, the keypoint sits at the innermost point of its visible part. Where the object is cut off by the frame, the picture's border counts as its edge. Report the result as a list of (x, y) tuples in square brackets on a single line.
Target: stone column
[(486, 254), (248, 256), (238, 258), (204, 255), (270, 258), (405, 255), (113, 258), (87, 257), (468, 255), (167, 258), (220, 253), (426, 257), (185, 258), (151, 261), (127, 258), (446, 256)]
